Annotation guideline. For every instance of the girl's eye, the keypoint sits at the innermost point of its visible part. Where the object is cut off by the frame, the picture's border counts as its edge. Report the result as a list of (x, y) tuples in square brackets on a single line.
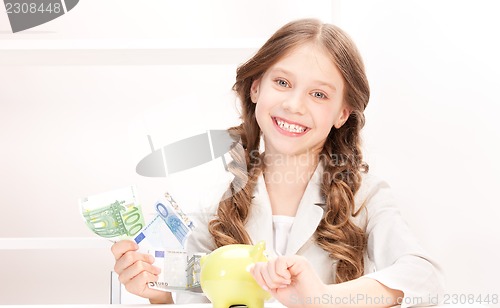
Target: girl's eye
[(319, 95), (282, 83)]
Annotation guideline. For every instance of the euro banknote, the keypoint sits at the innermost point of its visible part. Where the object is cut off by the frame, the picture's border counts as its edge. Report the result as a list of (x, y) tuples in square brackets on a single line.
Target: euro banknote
[(117, 215), (169, 220), (114, 215), (173, 269), (177, 273)]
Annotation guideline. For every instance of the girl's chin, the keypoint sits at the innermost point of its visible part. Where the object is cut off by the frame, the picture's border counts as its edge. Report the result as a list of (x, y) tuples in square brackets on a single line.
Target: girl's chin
[(288, 149)]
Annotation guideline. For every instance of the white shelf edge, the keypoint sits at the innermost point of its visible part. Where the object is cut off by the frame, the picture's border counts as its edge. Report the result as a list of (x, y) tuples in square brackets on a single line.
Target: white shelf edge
[(42, 243), (107, 44), (121, 57)]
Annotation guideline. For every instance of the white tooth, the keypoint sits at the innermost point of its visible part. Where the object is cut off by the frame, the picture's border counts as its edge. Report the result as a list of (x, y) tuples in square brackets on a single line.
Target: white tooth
[(290, 127)]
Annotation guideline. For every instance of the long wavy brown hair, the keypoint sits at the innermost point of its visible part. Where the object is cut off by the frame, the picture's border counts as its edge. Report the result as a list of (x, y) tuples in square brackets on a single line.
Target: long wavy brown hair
[(341, 155)]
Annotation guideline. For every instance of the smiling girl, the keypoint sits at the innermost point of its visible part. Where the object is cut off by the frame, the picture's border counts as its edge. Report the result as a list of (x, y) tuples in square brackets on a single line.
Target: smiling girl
[(331, 229)]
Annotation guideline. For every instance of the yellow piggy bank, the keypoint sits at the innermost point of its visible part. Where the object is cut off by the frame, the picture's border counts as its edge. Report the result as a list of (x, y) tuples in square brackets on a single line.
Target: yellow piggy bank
[(225, 277)]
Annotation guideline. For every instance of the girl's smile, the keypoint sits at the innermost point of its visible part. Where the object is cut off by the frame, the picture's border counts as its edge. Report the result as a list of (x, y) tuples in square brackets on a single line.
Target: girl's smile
[(289, 128)]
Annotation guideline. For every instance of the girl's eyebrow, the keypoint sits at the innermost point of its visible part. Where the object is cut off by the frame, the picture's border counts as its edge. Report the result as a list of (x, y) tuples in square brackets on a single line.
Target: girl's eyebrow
[(318, 82), (281, 70), (326, 84)]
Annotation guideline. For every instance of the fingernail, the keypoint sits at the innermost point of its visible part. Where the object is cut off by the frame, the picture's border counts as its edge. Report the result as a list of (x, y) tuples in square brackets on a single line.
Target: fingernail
[(265, 288), (250, 267), (283, 286)]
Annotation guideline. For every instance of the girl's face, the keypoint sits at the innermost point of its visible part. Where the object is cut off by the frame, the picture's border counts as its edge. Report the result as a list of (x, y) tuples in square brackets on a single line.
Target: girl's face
[(298, 100)]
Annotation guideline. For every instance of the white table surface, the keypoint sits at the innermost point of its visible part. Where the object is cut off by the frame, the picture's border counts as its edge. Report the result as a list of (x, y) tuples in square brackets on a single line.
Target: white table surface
[(267, 305)]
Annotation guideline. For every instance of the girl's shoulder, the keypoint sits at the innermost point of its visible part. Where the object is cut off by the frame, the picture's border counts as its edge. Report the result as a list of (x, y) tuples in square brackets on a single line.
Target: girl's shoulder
[(370, 181), (373, 192)]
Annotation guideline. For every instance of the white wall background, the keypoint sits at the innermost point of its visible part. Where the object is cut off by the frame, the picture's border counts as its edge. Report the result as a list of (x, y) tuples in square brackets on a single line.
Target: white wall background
[(79, 95), (432, 128)]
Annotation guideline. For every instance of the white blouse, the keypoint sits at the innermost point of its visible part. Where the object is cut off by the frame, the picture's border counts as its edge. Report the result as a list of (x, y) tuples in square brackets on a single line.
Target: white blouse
[(394, 257), (281, 226)]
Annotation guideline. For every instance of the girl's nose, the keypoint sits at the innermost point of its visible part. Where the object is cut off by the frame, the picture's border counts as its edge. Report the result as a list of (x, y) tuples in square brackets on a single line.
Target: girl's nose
[(294, 103)]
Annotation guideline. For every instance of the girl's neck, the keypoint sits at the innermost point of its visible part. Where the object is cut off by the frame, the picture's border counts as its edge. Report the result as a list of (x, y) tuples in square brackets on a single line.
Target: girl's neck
[(286, 178), (281, 169)]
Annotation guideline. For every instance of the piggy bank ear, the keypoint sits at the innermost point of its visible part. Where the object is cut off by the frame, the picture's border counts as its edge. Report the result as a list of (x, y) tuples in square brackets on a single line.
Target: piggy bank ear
[(202, 260), (258, 251)]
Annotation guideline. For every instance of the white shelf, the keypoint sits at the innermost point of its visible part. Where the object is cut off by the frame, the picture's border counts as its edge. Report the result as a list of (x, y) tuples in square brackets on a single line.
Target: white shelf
[(123, 57), (7, 43), (42, 243), (124, 52)]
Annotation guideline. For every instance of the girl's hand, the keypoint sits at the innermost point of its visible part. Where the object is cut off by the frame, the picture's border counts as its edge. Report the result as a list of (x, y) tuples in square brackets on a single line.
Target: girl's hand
[(136, 269), (289, 279)]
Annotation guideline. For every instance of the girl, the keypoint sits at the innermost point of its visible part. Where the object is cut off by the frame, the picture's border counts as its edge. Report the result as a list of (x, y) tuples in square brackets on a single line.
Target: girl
[(333, 231)]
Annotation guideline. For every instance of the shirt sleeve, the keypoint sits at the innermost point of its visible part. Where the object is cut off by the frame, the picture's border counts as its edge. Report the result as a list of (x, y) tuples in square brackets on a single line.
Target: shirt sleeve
[(399, 261)]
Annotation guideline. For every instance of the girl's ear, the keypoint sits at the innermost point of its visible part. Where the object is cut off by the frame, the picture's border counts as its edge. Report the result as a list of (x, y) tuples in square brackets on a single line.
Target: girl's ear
[(344, 115), (254, 91)]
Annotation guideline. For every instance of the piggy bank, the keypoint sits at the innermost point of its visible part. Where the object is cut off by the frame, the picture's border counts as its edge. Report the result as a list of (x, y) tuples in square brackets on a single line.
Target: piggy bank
[(225, 277)]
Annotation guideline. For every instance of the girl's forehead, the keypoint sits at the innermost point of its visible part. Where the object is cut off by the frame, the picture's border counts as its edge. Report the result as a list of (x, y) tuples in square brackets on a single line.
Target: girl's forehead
[(307, 47), (311, 52), (308, 59)]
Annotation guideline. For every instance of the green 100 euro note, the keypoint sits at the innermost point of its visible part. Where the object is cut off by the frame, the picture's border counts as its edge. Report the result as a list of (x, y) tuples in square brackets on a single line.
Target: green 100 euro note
[(114, 215)]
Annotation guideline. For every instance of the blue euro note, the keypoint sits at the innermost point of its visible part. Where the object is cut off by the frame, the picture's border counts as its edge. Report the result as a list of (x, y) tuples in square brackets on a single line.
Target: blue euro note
[(169, 219)]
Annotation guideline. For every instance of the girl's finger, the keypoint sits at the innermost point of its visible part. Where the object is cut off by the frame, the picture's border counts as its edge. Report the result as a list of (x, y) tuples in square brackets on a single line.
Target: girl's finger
[(256, 271), (139, 284), (120, 248), (136, 270), (129, 258), (270, 277), (281, 268)]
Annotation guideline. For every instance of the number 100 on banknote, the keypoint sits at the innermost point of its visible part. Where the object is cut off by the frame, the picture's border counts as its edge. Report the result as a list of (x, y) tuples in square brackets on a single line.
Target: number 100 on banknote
[(114, 215)]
